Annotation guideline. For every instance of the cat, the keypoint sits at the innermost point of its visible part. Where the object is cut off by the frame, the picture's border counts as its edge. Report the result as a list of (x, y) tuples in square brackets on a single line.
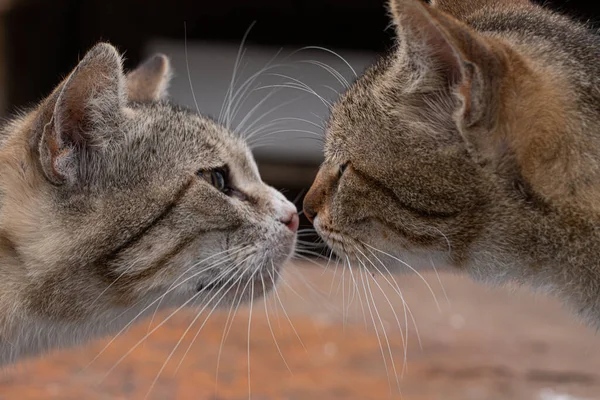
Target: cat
[(473, 144), (114, 202)]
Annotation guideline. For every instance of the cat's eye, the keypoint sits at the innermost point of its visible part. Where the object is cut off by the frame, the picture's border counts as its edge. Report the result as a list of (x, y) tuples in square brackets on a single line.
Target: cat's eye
[(216, 177), (342, 169)]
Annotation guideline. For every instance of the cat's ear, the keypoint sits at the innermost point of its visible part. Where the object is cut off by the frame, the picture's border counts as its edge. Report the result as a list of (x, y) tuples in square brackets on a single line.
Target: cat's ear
[(462, 9), (76, 118), (149, 81), (453, 54)]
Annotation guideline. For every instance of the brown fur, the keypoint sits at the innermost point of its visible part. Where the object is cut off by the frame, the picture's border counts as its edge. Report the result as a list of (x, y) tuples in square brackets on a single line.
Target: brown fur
[(475, 143)]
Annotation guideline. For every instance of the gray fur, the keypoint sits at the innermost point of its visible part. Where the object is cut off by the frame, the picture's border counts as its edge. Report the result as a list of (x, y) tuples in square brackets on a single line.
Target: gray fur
[(103, 210)]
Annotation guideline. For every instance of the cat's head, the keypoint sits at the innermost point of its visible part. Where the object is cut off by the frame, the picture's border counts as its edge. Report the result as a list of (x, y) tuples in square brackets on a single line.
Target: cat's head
[(439, 141), (113, 197)]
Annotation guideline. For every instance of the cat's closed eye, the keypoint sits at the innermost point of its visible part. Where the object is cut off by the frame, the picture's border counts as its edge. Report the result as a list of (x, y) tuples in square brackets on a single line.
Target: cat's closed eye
[(342, 169)]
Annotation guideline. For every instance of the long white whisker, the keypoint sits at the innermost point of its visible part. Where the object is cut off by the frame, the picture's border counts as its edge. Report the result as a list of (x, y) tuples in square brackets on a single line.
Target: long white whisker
[(187, 64), (229, 94), (387, 370), (219, 262), (382, 325), (249, 329), (271, 327), (144, 310), (187, 330), (340, 78), (407, 309), (330, 52), (412, 269), (191, 299), (285, 311)]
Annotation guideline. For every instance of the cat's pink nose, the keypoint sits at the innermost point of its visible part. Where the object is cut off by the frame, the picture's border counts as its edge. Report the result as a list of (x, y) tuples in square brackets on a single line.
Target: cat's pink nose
[(292, 221)]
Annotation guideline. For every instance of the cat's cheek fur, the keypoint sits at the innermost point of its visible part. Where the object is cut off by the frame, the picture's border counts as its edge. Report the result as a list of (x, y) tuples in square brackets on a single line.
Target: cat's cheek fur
[(478, 129), (104, 217)]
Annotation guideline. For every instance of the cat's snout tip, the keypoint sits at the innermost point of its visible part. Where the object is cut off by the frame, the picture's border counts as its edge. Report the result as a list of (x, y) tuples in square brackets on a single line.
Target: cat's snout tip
[(292, 222), (310, 216)]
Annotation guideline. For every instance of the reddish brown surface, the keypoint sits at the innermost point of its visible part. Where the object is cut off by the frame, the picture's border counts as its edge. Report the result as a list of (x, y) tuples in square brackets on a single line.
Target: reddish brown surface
[(484, 344)]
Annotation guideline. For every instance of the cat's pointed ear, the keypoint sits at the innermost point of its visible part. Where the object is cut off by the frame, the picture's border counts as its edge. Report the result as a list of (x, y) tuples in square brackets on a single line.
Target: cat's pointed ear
[(149, 81), (76, 118), (450, 53)]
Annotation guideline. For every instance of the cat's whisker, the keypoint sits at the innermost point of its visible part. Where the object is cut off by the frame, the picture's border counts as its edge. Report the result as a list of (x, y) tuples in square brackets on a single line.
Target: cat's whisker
[(412, 269), (250, 113), (226, 329), (398, 291), (306, 259), (385, 335), (321, 297), (337, 264), (164, 321), (285, 313), (198, 314), (283, 119), (353, 286), (335, 73), (241, 126), (396, 288), (187, 65), (226, 108), (330, 52), (219, 262), (268, 134), (402, 336), (296, 200), (383, 356), (125, 271), (271, 327), (243, 92), (261, 142), (292, 85), (439, 280), (202, 326), (249, 331), (252, 130), (332, 89), (310, 250), (144, 310)]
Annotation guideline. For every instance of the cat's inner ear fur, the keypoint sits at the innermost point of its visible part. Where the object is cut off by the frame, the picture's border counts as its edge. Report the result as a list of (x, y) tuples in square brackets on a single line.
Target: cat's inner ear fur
[(149, 81), (451, 56), (76, 117)]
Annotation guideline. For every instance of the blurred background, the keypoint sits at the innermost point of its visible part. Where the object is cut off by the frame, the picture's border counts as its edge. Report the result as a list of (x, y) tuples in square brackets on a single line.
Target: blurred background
[(318, 338)]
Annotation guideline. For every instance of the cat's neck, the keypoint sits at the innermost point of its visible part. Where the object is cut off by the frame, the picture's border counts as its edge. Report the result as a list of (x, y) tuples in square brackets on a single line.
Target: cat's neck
[(554, 251)]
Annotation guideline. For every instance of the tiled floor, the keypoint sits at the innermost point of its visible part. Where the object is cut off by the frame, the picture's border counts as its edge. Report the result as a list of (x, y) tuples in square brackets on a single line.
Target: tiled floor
[(481, 344)]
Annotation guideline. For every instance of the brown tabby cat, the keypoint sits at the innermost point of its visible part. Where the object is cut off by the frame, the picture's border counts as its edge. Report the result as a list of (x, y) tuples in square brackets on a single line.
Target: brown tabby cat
[(476, 142), (114, 202)]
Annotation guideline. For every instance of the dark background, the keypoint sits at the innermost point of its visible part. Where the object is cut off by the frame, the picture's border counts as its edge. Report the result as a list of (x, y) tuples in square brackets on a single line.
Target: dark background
[(45, 38)]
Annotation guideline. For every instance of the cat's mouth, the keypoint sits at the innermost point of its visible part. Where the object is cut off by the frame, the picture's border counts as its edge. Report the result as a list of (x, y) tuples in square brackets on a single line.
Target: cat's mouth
[(342, 244)]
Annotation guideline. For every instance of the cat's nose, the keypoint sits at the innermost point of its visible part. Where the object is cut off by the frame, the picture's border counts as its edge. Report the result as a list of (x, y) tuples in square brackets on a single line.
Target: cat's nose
[(292, 221), (314, 199), (309, 214)]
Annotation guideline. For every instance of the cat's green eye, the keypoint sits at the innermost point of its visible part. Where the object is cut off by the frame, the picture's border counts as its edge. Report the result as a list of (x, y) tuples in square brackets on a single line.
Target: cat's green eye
[(216, 177)]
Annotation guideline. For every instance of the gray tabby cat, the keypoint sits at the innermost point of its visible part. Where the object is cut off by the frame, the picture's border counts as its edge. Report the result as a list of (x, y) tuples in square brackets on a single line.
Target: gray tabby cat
[(474, 144), (114, 202)]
